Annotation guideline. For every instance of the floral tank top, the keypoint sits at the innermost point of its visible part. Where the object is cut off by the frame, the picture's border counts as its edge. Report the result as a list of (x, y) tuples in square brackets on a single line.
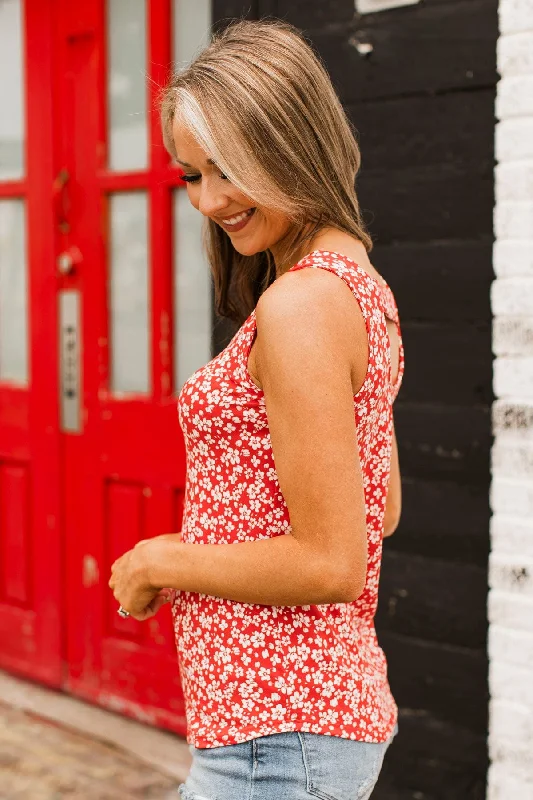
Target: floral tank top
[(250, 670)]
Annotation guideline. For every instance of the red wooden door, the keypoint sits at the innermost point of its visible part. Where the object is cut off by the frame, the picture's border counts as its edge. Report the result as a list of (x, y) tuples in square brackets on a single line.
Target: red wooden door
[(126, 249), (30, 521)]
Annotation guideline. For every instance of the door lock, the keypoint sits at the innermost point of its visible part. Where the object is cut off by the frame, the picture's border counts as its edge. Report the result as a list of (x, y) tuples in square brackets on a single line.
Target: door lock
[(68, 260)]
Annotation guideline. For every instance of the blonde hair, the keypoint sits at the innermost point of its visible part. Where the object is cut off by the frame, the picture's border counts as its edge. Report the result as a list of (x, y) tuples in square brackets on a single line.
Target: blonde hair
[(261, 104)]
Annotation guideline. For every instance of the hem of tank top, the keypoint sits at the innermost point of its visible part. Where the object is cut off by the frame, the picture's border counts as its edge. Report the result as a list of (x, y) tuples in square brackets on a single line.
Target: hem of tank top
[(289, 727)]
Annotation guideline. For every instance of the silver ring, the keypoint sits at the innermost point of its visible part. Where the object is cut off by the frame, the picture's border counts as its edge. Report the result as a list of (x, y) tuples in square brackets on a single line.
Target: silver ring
[(123, 613)]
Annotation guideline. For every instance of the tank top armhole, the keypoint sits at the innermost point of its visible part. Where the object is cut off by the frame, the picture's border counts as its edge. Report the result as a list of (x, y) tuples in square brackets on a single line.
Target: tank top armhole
[(247, 350), (385, 299), (391, 309), (392, 315), (364, 288), (395, 388), (249, 335)]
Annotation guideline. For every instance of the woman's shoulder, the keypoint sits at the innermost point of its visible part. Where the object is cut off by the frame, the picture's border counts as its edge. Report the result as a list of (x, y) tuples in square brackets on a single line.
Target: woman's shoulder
[(302, 294)]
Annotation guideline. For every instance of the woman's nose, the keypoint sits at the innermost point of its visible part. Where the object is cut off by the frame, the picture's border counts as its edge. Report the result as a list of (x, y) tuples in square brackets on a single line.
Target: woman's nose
[(212, 202)]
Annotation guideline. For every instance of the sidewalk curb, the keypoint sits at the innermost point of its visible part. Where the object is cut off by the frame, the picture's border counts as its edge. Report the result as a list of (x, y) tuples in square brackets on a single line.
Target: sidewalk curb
[(163, 751)]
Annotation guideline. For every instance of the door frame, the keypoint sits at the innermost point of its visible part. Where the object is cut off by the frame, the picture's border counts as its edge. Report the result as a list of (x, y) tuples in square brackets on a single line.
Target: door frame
[(32, 634)]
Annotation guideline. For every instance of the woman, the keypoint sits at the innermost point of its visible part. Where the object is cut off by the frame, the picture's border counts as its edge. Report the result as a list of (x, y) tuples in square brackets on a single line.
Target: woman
[(292, 467)]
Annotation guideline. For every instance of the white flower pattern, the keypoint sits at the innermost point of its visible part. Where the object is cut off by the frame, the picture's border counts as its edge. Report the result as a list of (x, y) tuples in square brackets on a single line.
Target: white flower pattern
[(250, 670)]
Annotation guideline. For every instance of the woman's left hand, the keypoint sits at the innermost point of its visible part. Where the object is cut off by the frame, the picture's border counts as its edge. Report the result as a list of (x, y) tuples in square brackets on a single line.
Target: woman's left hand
[(131, 583)]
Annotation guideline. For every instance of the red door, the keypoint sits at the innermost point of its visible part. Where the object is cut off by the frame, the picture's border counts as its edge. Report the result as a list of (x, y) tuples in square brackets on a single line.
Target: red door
[(134, 320), (30, 511), (105, 310)]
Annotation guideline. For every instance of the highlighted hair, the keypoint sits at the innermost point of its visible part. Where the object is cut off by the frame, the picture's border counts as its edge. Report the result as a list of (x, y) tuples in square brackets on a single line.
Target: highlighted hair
[(261, 104)]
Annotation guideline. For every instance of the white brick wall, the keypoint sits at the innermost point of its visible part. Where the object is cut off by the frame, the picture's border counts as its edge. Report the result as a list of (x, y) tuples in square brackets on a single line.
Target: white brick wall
[(511, 562), (371, 6)]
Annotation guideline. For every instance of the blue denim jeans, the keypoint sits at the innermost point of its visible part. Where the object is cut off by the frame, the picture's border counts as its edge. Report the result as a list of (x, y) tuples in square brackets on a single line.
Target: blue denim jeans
[(285, 766)]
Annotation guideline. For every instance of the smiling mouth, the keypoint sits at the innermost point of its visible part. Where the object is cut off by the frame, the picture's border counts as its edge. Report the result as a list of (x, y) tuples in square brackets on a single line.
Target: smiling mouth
[(238, 221)]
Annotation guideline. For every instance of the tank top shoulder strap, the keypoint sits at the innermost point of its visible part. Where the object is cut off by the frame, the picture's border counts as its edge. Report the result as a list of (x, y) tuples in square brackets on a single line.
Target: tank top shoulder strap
[(375, 299), (365, 288), (389, 303)]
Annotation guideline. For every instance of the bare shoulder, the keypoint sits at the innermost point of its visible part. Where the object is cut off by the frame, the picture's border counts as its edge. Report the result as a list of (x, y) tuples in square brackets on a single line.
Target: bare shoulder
[(305, 318), (308, 299)]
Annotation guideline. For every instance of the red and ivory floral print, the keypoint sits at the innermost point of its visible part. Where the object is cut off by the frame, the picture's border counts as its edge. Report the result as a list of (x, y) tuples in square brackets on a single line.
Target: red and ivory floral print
[(250, 670)]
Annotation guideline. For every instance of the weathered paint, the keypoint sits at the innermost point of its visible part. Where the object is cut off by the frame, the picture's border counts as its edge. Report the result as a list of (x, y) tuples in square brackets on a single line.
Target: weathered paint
[(511, 560)]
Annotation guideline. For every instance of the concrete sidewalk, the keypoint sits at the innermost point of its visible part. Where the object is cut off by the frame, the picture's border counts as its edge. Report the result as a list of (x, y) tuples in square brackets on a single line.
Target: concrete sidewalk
[(54, 747)]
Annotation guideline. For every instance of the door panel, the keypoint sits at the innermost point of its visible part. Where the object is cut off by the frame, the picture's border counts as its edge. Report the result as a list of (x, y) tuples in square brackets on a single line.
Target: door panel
[(16, 534), (30, 526), (125, 466)]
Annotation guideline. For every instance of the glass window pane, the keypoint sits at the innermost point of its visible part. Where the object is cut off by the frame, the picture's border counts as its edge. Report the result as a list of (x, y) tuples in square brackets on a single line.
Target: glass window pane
[(128, 269), (192, 292), (192, 23), (127, 87), (11, 91), (13, 292)]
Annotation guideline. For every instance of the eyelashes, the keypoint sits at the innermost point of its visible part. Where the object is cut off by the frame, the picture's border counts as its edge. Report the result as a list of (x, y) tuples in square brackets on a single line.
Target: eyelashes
[(196, 178)]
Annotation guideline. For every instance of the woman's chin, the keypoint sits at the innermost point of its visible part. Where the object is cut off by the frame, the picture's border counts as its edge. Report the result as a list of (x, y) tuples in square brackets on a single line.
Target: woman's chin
[(246, 248)]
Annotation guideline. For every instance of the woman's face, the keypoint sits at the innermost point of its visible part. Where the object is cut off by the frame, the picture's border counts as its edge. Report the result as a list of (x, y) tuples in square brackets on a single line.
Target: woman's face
[(251, 228)]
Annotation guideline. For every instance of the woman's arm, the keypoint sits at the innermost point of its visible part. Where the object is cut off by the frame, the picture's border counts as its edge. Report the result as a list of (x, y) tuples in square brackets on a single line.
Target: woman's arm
[(393, 506), (307, 323)]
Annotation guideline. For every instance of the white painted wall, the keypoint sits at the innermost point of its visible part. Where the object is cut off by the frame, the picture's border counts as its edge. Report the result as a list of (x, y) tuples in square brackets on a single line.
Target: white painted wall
[(511, 561), (371, 6)]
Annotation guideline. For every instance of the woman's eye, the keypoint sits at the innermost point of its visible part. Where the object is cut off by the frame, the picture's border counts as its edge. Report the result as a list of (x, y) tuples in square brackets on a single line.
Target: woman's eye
[(196, 178)]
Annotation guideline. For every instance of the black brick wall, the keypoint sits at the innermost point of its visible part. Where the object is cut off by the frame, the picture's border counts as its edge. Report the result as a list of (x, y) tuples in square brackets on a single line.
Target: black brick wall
[(423, 104)]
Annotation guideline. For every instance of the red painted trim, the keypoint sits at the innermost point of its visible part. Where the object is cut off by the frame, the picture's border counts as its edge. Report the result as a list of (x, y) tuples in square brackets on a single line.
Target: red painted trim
[(80, 83), (13, 188), (159, 60), (160, 224), (102, 116), (45, 533), (101, 287), (123, 181), (129, 181)]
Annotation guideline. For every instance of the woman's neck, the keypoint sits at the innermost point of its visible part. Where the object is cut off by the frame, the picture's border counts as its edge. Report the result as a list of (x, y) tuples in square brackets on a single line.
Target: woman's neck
[(292, 248)]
